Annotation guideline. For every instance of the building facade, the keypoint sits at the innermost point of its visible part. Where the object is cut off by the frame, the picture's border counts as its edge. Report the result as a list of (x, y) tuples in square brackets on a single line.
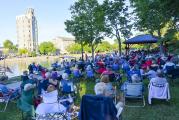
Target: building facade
[(61, 43), (27, 31)]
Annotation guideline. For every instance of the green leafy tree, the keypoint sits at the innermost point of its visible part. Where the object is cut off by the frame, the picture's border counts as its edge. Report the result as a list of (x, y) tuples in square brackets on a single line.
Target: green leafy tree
[(22, 51), (32, 54), (117, 20), (150, 18), (47, 48), (76, 28), (88, 23), (9, 45), (170, 10), (74, 48), (104, 47)]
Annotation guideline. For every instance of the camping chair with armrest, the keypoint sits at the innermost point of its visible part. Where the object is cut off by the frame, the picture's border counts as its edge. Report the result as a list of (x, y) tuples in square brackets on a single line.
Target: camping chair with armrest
[(52, 108), (76, 74), (115, 67), (169, 69), (90, 74), (132, 72), (68, 88), (26, 105), (173, 74), (134, 91), (6, 96), (97, 107)]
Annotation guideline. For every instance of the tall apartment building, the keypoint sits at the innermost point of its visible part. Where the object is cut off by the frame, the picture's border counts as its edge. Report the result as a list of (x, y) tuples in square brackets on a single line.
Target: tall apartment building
[(27, 31)]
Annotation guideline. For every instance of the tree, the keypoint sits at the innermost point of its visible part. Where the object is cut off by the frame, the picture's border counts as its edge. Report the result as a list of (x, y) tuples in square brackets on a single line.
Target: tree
[(75, 26), (74, 48), (104, 46), (150, 17), (170, 10), (117, 20), (47, 48), (88, 22), (22, 51), (8, 44)]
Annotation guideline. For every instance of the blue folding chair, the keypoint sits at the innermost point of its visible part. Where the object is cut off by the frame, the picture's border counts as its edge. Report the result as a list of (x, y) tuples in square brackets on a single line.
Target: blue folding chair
[(97, 108), (67, 88), (6, 96), (169, 69), (115, 67), (90, 74), (134, 91), (76, 74)]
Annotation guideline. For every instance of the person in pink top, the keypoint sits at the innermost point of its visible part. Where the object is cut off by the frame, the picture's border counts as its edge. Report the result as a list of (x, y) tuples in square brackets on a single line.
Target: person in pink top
[(108, 71)]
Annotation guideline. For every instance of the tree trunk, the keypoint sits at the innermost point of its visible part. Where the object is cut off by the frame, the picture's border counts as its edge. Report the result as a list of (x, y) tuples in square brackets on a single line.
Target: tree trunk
[(119, 45), (161, 43), (92, 50), (82, 51)]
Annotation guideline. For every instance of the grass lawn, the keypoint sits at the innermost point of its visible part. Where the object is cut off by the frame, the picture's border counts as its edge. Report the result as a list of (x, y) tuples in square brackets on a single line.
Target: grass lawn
[(159, 110)]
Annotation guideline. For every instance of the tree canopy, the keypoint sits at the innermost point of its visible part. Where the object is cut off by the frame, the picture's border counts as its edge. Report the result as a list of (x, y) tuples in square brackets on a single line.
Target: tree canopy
[(9, 45), (87, 22), (117, 20), (154, 17), (47, 48), (22, 51)]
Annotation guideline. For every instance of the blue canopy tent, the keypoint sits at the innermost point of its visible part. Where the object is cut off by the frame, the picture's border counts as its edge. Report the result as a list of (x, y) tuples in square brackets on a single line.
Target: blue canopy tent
[(140, 39)]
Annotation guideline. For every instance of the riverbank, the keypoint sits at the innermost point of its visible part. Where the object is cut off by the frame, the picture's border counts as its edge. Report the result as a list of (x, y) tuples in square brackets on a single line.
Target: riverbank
[(38, 58)]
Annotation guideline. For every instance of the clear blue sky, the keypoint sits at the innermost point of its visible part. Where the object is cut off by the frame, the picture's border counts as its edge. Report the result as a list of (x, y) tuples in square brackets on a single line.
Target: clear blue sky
[(50, 14)]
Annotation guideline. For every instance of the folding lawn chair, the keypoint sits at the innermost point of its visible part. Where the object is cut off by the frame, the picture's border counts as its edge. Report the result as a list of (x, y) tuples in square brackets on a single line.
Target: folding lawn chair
[(68, 88), (90, 74), (134, 91), (158, 91), (52, 108), (7, 95), (96, 107)]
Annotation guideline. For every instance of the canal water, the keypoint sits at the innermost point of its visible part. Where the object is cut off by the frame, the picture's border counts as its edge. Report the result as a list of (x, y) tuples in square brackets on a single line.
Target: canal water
[(18, 67)]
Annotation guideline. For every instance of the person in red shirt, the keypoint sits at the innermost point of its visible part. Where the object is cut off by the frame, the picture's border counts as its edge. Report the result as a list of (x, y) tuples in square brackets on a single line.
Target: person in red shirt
[(108, 71), (148, 62), (101, 69)]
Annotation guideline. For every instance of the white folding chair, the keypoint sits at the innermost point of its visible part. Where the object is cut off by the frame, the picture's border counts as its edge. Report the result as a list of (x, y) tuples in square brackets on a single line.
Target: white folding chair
[(158, 91)]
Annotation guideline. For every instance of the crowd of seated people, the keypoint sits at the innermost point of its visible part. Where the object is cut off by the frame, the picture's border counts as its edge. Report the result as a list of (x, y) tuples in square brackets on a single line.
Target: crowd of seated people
[(135, 67)]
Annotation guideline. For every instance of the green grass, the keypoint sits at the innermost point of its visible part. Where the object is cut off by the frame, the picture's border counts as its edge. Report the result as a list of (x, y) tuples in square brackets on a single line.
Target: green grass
[(159, 110)]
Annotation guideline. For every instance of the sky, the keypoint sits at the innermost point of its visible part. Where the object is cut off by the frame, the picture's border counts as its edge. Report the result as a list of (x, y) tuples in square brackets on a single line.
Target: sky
[(50, 15)]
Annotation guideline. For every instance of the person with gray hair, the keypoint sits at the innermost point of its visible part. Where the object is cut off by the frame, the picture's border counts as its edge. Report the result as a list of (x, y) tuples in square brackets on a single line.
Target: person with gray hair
[(65, 76), (160, 79), (135, 78), (99, 88)]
